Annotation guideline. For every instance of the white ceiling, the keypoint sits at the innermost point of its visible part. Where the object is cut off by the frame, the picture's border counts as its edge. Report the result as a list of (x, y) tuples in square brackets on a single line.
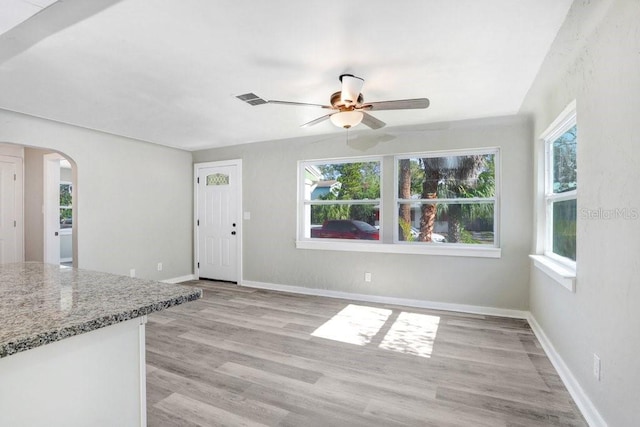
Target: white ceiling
[(168, 71)]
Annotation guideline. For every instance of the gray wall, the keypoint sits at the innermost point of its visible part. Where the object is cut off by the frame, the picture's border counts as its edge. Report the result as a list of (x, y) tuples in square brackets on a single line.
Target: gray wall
[(134, 200), (33, 204), (270, 256), (596, 60)]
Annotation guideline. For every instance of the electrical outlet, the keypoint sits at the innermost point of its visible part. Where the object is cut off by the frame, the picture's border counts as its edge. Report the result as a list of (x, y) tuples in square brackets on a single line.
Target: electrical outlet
[(367, 277), (159, 266), (596, 366), (132, 272)]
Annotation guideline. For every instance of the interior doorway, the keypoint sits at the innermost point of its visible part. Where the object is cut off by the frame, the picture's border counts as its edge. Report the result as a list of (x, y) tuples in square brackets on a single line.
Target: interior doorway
[(58, 210)]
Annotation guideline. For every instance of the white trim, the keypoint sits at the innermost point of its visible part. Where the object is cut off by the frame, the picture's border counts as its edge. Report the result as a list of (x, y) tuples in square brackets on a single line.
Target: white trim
[(558, 272), (181, 279), (565, 120), (443, 249), (196, 167), (435, 305), (51, 208), (587, 408)]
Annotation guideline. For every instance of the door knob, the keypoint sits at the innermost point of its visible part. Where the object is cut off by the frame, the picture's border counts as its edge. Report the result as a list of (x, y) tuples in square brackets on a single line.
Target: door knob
[(55, 234), (233, 233)]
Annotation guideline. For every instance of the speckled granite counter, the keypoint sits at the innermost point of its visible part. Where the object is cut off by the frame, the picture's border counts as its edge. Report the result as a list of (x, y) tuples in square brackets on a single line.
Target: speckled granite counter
[(42, 303)]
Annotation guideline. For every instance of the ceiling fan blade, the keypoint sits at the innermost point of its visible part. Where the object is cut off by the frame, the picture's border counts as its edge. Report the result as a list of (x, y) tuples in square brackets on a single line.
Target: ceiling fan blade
[(400, 104), (372, 122), (316, 121), (299, 104), (351, 88)]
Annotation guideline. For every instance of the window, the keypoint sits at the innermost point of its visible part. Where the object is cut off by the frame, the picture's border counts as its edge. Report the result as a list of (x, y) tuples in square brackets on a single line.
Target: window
[(443, 203), (561, 183), (341, 199), (66, 205), (446, 198)]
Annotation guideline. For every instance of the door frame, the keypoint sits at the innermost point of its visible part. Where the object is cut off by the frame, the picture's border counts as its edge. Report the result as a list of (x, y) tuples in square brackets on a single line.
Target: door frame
[(51, 206), (196, 247)]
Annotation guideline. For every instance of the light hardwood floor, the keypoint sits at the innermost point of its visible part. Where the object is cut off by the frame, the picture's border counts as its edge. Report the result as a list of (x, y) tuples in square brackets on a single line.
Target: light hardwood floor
[(247, 357)]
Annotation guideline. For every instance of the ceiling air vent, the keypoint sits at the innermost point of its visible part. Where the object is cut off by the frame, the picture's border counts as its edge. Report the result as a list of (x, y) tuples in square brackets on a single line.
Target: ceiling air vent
[(251, 98)]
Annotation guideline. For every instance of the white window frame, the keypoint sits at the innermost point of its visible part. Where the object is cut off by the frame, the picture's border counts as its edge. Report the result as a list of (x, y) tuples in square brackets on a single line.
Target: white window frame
[(452, 153), (304, 204), (389, 246), (549, 196), (559, 268)]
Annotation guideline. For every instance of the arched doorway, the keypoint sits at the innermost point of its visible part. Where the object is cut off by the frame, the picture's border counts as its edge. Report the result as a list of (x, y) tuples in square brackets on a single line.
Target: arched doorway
[(49, 220)]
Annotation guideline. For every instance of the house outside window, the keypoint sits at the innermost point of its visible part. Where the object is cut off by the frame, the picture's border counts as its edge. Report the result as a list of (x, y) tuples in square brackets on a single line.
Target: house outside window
[(561, 190), (340, 199), (447, 198)]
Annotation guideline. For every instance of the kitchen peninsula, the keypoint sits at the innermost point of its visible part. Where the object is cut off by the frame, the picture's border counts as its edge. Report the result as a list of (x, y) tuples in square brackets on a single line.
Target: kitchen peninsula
[(72, 344)]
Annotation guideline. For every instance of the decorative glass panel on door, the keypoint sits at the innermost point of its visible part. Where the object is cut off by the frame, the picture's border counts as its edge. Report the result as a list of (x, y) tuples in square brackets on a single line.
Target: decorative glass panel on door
[(218, 179)]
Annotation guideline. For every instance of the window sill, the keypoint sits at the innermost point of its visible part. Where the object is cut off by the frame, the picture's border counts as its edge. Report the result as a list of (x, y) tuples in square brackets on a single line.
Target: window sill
[(399, 248), (564, 275)]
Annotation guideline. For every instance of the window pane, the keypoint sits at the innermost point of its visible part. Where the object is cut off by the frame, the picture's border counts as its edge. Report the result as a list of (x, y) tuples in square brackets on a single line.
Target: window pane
[(65, 195), (470, 223), (447, 177), (343, 181), (66, 202), (564, 228), (345, 221), (564, 162)]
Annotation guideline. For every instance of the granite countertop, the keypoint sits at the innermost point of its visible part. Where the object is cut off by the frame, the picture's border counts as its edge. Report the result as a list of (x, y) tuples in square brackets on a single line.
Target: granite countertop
[(42, 303)]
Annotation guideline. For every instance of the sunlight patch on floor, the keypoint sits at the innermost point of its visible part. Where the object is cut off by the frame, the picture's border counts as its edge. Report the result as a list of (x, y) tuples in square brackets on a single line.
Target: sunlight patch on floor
[(355, 324), (412, 333)]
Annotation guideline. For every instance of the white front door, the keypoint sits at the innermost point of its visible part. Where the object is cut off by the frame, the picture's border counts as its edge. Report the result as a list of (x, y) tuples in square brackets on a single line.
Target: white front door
[(218, 222), (9, 242)]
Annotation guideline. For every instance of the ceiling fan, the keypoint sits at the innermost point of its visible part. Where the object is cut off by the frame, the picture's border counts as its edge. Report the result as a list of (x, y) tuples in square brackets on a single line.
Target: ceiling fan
[(348, 106)]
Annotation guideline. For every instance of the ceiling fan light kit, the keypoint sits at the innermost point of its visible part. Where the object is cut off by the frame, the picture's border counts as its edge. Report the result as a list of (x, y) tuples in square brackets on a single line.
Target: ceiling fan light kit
[(347, 119), (349, 108)]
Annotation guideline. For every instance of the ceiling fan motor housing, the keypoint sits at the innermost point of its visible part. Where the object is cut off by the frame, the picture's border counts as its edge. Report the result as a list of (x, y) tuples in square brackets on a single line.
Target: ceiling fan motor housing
[(336, 102)]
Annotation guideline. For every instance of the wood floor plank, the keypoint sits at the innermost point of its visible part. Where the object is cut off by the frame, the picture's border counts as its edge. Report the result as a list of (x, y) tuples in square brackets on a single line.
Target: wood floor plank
[(223, 399), (242, 356), (363, 377), (202, 414)]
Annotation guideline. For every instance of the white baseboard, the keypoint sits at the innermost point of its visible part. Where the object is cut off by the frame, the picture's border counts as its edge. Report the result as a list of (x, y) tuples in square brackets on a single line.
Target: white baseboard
[(589, 411), (489, 311), (180, 279)]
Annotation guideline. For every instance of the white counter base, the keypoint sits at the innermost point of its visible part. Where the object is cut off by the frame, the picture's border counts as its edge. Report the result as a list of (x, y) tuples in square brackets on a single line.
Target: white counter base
[(92, 379)]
